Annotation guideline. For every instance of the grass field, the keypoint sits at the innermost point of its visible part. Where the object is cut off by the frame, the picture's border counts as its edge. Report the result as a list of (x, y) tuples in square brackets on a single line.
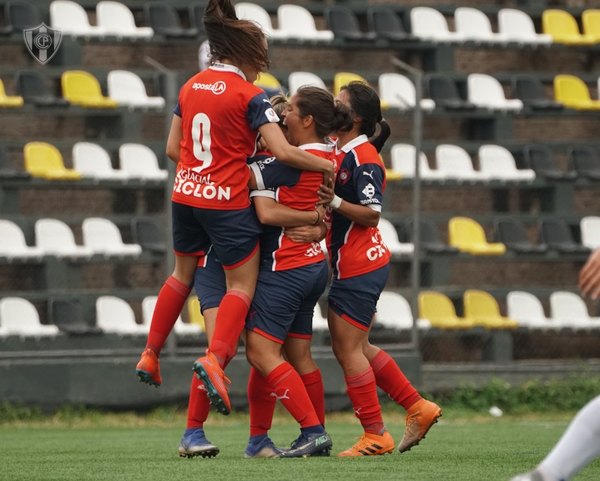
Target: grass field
[(462, 447)]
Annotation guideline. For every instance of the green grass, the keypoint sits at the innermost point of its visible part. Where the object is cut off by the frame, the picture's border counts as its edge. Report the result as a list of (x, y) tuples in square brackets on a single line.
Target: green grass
[(130, 447)]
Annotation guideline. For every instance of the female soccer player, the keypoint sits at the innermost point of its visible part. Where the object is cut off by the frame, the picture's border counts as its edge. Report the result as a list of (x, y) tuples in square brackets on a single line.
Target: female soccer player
[(213, 131), (360, 263)]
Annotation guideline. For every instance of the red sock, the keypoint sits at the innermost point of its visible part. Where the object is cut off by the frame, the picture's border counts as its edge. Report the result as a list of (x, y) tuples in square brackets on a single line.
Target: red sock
[(288, 387), (392, 380), (171, 299), (231, 318), (362, 391), (198, 405), (313, 382), (260, 403)]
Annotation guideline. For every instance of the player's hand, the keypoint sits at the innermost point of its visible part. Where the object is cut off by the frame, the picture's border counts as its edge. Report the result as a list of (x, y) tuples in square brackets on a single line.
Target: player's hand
[(589, 277), (326, 193), (304, 234)]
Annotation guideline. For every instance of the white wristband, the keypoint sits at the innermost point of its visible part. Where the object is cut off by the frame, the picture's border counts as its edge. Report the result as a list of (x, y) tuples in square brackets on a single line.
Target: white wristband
[(336, 202)]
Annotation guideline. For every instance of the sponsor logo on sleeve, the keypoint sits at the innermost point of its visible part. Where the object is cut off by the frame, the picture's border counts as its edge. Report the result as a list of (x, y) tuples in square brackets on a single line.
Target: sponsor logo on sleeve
[(271, 115)]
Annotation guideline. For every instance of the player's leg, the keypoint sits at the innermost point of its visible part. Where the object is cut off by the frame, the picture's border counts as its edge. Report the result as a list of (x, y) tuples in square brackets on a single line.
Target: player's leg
[(261, 407)]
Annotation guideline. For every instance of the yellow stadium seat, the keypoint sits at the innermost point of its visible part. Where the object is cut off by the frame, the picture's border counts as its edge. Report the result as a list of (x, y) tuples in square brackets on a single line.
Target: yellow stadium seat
[(563, 28), (591, 23), (572, 92), (344, 78), (10, 101), (391, 174), (193, 313), (438, 309), (83, 89), (266, 80), (45, 161), (468, 236), (484, 311)]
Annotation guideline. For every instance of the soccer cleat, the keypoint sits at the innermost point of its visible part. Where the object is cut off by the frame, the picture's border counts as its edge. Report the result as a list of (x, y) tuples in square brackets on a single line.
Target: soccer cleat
[(148, 368), (324, 452), (216, 383), (194, 443), (420, 417), (371, 444), (264, 449), (532, 476), (309, 444)]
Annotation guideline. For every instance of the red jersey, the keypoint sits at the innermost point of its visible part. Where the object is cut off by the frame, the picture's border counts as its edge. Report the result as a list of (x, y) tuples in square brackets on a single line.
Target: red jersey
[(296, 189), (355, 249), (220, 113)]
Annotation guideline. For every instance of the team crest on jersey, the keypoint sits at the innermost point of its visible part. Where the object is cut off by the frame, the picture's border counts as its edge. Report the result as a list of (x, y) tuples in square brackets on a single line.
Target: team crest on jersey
[(343, 176), (217, 88)]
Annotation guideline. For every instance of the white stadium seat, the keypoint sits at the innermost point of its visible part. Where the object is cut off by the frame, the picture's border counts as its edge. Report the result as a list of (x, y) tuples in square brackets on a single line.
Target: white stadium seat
[(300, 79), (399, 91), (430, 24), (297, 22), (13, 245), (486, 92), (102, 236), (93, 161), (498, 163), (115, 316), (71, 19), (256, 13), (140, 162), (182, 328), (455, 163), (116, 19), (403, 162), (20, 317), (128, 89), (56, 238), (390, 238), (517, 26)]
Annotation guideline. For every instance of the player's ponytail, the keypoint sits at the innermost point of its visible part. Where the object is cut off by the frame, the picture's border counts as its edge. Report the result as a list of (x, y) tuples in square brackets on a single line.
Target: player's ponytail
[(384, 133), (366, 104)]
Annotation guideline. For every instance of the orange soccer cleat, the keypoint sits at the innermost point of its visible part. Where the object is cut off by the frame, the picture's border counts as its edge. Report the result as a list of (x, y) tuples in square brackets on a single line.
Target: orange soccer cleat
[(420, 417), (370, 444), (216, 383), (148, 368)]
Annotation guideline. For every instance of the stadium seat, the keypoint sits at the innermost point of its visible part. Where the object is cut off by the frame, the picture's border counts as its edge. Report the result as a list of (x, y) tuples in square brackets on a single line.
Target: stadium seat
[(528, 311), (298, 23), (33, 86), (344, 78), (398, 91), (572, 92), (257, 14), (67, 315), (344, 25), (19, 317), (83, 89), (483, 309), (390, 238), (9, 101), (93, 161), (513, 235), (102, 236), (590, 231), (570, 310), (196, 12), (128, 89), (147, 234), (444, 93), (530, 91), (13, 245), (194, 315), (7, 169), (540, 158), (430, 238), (431, 25), (486, 92), (403, 162), (585, 161), (469, 237), (384, 23), (298, 79), (557, 235), (517, 26), (71, 19), (115, 316), (180, 327), (269, 83), (438, 309), (591, 23), (499, 164), (20, 15), (56, 238), (394, 312), (455, 163), (116, 19), (140, 162), (319, 322), (475, 26), (163, 19), (45, 161), (563, 28)]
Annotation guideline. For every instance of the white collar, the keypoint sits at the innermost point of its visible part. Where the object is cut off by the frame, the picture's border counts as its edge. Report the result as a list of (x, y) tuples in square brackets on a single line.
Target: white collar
[(317, 146), (224, 67), (355, 142)]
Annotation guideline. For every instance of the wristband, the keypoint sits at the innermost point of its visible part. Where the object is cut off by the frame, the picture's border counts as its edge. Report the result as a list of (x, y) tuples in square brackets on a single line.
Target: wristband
[(336, 202)]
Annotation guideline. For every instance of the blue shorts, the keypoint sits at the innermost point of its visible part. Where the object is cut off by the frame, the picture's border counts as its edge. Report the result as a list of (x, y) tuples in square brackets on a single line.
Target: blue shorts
[(355, 299), (232, 233), (284, 302), (209, 282)]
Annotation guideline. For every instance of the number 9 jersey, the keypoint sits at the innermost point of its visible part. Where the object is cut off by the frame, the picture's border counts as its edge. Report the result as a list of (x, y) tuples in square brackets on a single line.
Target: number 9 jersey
[(220, 114)]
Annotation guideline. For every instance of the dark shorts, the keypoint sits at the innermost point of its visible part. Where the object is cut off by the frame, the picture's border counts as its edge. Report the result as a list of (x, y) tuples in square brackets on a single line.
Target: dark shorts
[(209, 282), (232, 233), (285, 300), (355, 299)]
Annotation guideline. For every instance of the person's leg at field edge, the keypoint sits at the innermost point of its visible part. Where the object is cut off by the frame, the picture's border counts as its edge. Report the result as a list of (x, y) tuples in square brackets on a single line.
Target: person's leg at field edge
[(347, 341), (422, 414), (577, 447), (169, 304)]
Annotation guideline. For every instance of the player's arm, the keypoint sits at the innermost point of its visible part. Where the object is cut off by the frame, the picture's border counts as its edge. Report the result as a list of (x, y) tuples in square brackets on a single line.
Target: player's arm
[(174, 139), (365, 215), (307, 233), (589, 277), (270, 212)]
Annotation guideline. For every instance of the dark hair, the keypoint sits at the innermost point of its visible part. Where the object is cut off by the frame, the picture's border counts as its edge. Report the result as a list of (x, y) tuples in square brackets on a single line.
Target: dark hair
[(366, 103), (384, 132), (327, 114), (241, 41)]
